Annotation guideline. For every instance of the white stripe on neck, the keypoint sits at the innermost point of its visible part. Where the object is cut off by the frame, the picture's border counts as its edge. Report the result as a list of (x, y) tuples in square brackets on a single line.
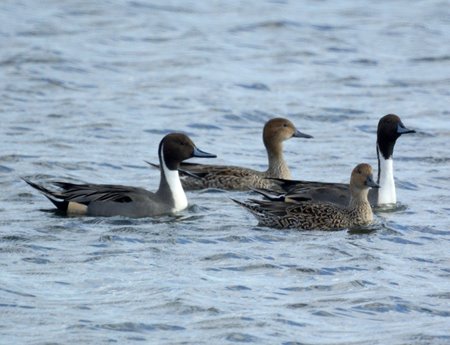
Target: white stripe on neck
[(386, 193), (173, 180)]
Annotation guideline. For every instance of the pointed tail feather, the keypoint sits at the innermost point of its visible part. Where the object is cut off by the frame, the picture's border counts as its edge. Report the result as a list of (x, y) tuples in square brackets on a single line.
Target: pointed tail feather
[(38, 187), (154, 165), (283, 183), (259, 212), (182, 172), (254, 209), (50, 195), (268, 194), (189, 173)]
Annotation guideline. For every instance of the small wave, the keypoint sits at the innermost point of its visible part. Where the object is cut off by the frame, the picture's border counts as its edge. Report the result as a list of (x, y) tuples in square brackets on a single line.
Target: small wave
[(5, 169), (224, 256), (203, 126), (140, 327), (39, 261), (255, 86), (266, 25), (365, 62), (431, 59), (237, 288), (241, 337)]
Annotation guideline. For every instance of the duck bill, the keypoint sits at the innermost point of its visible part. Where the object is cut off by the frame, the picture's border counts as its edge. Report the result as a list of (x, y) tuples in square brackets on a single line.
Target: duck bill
[(401, 129), (371, 183), (299, 134), (202, 154)]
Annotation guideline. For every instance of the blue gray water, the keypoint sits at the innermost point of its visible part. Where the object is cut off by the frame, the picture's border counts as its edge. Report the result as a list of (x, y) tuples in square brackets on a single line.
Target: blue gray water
[(88, 89)]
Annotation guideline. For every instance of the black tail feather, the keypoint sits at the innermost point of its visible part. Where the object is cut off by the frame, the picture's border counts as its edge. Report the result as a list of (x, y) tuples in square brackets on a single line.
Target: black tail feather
[(267, 194), (154, 165), (61, 205), (182, 172), (190, 174)]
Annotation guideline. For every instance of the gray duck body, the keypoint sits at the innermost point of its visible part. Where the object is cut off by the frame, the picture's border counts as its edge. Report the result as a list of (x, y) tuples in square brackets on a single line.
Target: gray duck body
[(117, 200)]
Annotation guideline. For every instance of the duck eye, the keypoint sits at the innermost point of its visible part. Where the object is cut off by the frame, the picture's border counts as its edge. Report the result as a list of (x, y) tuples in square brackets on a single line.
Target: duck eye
[(285, 125)]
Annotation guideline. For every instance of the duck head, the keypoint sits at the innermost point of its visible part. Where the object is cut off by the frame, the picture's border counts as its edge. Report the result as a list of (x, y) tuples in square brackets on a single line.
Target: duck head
[(390, 128), (177, 147), (279, 129), (362, 177)]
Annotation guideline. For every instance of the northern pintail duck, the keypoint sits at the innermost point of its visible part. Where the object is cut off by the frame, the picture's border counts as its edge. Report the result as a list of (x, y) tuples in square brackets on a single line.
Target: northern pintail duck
[(310, 215), (390, 128), (116, 200), (276, 131)]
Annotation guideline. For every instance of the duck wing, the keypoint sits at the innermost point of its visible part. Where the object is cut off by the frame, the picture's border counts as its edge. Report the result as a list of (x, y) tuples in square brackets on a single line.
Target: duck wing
[(108, 198), (297, 190)]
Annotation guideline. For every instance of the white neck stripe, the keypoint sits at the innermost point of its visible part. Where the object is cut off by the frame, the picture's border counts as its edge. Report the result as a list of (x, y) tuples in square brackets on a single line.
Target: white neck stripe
[(176, 189), (386, 193)]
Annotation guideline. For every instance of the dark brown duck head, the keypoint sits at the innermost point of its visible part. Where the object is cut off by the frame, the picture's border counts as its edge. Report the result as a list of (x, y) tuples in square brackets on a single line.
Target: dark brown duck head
[(177, 147), (390, 128)]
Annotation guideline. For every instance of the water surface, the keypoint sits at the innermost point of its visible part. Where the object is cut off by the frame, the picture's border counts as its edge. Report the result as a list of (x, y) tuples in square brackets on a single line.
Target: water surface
[(90, 87)]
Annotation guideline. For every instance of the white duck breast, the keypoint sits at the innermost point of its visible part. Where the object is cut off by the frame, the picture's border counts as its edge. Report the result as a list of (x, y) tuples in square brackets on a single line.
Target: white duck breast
[(173, 180), (386, 193)]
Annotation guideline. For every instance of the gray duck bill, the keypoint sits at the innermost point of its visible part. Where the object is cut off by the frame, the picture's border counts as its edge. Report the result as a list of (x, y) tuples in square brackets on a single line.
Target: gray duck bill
[(299, 134), (401, 129), (202, 154), (371, 183)]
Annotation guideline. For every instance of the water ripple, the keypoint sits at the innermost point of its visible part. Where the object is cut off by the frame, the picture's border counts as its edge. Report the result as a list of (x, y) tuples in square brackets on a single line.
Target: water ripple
[(89, 89), (140, 327)]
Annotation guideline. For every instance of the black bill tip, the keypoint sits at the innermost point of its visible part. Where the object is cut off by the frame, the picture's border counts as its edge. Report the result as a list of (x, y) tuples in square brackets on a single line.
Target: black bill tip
[(299, 134), (371, 183), (202, 154), (401, 129)]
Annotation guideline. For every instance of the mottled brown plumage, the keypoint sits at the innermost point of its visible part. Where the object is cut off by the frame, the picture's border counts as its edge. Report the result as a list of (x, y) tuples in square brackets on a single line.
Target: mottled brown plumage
[(276, 131), (309, 215)]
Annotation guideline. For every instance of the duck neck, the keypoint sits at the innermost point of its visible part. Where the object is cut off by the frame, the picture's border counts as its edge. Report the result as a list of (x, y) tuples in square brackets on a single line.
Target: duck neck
[(386, 192), (277, 165), (360, 206), (359, 198), (170, 188)]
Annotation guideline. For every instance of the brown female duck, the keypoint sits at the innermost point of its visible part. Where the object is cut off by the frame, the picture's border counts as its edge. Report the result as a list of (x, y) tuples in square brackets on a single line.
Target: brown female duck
[(276, 131), (310, 215)]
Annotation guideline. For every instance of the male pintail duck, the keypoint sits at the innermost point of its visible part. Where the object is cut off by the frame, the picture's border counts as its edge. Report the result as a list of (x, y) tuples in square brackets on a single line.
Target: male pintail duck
[(201, 176), (116, 200), (390, 128), (310, 215)]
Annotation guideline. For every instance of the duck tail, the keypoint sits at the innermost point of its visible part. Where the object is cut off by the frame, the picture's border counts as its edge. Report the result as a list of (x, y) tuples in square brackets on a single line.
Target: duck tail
[(61, 205), (283, 183), (254, 209), (183, 172), (154, 165), (269, 194), (189, 173)]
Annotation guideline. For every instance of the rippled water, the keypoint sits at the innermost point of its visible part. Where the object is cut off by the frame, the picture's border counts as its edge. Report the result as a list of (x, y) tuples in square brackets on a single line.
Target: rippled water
[(88, 89)]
